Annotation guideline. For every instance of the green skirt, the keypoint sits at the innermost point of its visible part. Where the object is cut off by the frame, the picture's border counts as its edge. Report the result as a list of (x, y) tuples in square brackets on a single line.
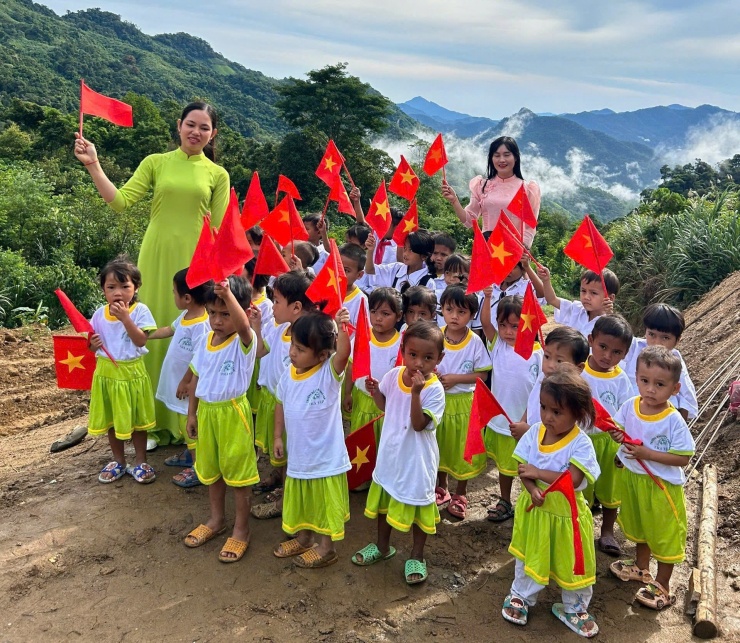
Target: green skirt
[(500, 448), (265, 428), (225, 445), (121, 398), (320, 505), (543, 540), (398, 515), (452, 433), (652, 516), (254, 391), (606, 488), (364, 409)]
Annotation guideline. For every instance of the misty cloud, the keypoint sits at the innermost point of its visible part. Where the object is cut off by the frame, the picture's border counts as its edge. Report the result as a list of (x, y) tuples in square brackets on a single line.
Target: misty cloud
[(715, 141)]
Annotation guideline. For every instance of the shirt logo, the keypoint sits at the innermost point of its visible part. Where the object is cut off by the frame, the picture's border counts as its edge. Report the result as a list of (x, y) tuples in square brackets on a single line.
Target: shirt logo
[(316, 397), (186, 344), (534, 370), (227, 368), (661, 443), (609, 399), (466, 367)]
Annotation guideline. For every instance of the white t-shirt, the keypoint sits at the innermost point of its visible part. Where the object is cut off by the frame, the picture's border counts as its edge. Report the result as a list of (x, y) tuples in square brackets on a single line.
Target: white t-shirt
[(686, 398), (573, 314), (666, 432), (611, 389), (188, 332), (407, 460), (224, 371), (114, 335), (313, 422), (383, 356), (469, 356), (265, 306), (572, 448), (512, 381), (533, 402), (519, 287), (390, 252), (395, 275), (323, 256), (353, 302), (274, 364)]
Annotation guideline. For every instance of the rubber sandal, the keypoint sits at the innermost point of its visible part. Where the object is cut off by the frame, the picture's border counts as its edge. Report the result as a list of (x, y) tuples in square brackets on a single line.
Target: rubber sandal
[(371, 555), (609, 548), (311, 560), (116, 468), (441, 496), (139, 472), (274, 495), (521, 608), (74, 437), (233, 546), (458, 506), (626, 570), (183, 460), (266, 511), (501, 512), (289, 548), (201, 535), (412, 567), (654, 596), (188, 479), (576, 621)]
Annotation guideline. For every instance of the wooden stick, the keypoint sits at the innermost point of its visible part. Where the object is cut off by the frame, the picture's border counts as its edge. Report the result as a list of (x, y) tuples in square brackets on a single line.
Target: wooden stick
[(82, 82), (508, 224), (705, 620), (349, 176)]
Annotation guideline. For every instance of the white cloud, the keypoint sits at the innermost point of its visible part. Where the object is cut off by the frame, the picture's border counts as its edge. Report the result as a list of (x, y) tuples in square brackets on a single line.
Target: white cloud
[(715, 141)]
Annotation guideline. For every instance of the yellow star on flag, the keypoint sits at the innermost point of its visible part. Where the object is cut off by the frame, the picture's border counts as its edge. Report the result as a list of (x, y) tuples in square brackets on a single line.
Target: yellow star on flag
[(527, 319), (407, 177), (408, 226), (329, 163), (499, 252), (435, 155), (587, 243), (381, 209), (332, 283), (72, 362), (284, 215), (361, 457)]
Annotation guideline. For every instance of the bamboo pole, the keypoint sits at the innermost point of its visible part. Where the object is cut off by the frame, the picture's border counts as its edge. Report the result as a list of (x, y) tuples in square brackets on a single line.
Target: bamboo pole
[(705, 620)]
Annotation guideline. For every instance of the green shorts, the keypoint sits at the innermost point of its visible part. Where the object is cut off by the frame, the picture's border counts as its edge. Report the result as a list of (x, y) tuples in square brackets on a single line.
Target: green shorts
[(399, 515)]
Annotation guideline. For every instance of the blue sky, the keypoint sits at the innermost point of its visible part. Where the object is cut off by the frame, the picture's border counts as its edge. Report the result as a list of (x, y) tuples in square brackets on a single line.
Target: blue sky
[(482, 57)]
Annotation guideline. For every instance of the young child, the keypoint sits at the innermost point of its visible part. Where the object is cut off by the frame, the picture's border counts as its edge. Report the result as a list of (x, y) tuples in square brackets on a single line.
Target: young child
[(610, 340), (317, 228), (465, 361), (385, 313), (353, 262), (301, 255), (511, 382), (444, 247), (455, 273), (401, 495), (220, 418), (418, 303), (273, 349), (357, 235), (664, 326), (544, 453), (254, 238), (593, 303), (121, 397), (174, 381), (651, 517), (416, 269), (316, 498)]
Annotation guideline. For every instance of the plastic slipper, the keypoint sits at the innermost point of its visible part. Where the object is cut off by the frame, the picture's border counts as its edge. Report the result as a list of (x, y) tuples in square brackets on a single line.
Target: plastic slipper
[(115, 468), (501, 512), (233, 546), (576, 621), (266, 511), (289, 548), (415, 567), (519, 606), (201, 535), (151, 444), (75, 436), (186, 479), (309, 559), (626, 570), (609, 546), (371, 555), (441, 496), (458, 506), (139, 473), (654, 596), (183, 460)]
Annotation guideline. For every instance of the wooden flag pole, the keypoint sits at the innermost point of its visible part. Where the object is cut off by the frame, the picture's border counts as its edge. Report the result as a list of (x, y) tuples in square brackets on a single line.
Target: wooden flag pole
[(349, 176), (511, 228), (82, 84)]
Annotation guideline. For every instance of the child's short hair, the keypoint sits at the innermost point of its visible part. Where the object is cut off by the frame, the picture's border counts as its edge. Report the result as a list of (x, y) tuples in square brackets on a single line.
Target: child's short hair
[(306, 252), (420, 296), (354, 253), (293, 286), (315, 217), (422, 243), (256, 233), (258, 281), (316, 330), (385, 295), (664, 319), (570, 391), (610, 279), (573, 339), (181, 285), (457, 263), (359, 232), (122, 269), (444, 239), (456, 296), (428, 331), (661, 357), (240, 288), (614, 326), (508, 306)]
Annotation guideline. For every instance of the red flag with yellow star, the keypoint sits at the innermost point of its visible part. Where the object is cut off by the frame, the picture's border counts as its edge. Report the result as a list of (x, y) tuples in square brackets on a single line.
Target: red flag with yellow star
[(485, 407), (269, 260), (481, 263), (74, 362), (506, 250), (255, 204), (330, 285), (436, 157), (404, 183), (531, 321), (407, 225), (363, 453), (330, 165), (521, 207), (339, 194), (361, 366), (284, 224), (588, 248), (378, 217)]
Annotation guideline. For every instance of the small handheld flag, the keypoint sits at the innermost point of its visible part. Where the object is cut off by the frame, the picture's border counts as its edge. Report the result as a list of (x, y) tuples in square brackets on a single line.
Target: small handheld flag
[(110, 109), (74, 362), (362, 454), (436, 157), (485, 407), (404, 183), (407, 225), (531, 321)]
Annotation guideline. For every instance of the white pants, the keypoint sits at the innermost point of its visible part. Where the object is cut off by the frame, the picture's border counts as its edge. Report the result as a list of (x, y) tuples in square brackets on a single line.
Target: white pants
[(526, 589)]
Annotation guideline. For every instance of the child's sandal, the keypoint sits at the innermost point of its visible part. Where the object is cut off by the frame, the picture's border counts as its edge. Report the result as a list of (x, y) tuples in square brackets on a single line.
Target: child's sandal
[(289, 548), (201, 535), (116, 471), (370, 554), (235, 547), (458, 506), (626, 570), (654, 596), (576, 621), (519, 606), (415, 567)]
